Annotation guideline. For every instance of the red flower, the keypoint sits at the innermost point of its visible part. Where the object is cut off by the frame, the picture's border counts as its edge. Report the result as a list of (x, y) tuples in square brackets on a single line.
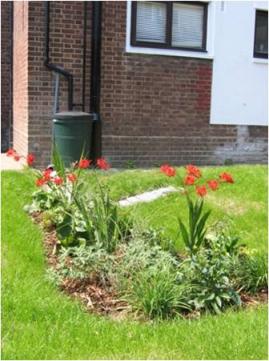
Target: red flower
[(226, 177), (10, 153), (40, 182), (201, 191), (16, 157), (58, 180), (213, 184), (192, 170), (47, 174), (189, 180), (84, 163), (164, 167), (72, 177), (168, 170), (30, 159), (102, 164)]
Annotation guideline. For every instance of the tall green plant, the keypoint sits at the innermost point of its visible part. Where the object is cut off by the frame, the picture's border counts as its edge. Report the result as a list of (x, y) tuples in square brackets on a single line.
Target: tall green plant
[(102, 219), (194, 232), (58, 162)]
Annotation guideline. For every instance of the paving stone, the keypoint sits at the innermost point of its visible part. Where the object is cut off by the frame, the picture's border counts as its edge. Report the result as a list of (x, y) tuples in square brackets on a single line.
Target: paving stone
[(147, 196)]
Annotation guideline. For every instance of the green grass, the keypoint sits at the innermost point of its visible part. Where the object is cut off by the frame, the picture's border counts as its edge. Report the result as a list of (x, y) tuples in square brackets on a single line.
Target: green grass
[(244, 203), (38, 322)]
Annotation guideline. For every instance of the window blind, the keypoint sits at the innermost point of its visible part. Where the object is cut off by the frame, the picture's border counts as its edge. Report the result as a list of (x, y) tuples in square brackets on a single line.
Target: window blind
[(187, 27), (151, 22)]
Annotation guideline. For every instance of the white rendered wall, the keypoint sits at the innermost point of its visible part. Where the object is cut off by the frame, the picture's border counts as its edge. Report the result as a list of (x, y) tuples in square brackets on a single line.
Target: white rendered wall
[(239, 84)]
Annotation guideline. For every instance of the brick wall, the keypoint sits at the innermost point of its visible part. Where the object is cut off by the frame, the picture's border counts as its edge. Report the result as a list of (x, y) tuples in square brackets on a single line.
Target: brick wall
[(66, 49), (20, 76), (6, 75), (154, 108)]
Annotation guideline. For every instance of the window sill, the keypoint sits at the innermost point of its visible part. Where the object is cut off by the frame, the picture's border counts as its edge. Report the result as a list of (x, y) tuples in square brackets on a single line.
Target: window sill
[(260, 60), (169, 52)]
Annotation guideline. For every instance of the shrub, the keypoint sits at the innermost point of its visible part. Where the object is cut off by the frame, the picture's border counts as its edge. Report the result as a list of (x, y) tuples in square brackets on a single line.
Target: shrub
[(208, 274), (251, 272)]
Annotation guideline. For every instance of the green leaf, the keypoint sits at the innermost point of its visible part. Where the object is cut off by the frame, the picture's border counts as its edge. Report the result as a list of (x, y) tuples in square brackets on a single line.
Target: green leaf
[(57, 161), (218, 300), (216, 308), (184, 234), (64, 229)]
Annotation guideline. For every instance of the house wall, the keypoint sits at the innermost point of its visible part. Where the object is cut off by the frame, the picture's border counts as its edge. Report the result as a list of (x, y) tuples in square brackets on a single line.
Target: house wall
[(66, 49), (154, 108), (6, 75), (237, 75), (157, 108)]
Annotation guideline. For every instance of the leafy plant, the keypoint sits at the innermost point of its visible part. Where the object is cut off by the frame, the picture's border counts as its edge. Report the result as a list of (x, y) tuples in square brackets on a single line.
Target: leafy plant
[(102, 220), (156, 293), (251, 272), (58, 162), (194, 234), (85, 262), (220, 235), (208, 273), (41, 201)]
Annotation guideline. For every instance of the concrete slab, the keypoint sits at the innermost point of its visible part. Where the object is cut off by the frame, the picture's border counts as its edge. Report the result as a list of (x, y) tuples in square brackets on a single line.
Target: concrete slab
[(147, 196), (8, 163)]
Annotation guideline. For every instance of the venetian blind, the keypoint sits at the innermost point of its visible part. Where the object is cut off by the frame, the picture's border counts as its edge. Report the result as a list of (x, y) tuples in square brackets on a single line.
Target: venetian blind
[(187, 28), (151, 22)]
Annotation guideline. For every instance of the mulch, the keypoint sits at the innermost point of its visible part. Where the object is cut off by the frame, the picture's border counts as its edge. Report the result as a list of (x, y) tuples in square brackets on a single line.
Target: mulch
[(104, 300), (95, 297)]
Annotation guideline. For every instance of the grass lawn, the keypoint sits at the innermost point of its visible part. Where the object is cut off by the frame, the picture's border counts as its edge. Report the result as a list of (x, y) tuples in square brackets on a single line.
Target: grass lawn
[(38, 322)]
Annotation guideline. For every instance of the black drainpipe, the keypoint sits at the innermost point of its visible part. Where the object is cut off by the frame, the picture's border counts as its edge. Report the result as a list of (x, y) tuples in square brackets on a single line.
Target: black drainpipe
[(53, 67), (84, 55), (96, 79)]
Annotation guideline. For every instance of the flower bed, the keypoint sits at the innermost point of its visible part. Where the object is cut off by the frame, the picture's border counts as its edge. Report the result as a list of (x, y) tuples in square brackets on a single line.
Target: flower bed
[(103, 257)]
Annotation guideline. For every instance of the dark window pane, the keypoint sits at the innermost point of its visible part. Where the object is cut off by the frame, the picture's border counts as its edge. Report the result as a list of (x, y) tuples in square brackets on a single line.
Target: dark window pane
[(261, 34)]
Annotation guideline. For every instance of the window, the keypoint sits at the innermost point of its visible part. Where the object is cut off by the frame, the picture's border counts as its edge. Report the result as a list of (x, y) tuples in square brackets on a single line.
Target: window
[(169, 25), (261, 34)]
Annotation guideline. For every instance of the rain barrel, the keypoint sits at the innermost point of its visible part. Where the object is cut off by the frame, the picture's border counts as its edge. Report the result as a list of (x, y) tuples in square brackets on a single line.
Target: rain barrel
[(72, 134)]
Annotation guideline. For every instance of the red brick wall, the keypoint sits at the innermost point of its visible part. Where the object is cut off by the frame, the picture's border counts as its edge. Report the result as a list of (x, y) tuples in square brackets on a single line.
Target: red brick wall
[(153, 108), (6, 75), (20, 77), (66, 49)]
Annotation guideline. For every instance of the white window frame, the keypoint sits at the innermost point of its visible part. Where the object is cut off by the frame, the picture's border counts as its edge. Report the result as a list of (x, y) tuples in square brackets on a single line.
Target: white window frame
[(174, 52)]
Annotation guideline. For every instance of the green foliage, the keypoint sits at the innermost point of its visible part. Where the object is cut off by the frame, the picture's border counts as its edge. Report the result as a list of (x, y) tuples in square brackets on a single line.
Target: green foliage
[(41, 201), (58, 162), (156, 293), (102, 220), (208, 273), (145, 274), (194, 234), (157, 236), (129, 164), (85, 262), (220, 235), (251, 272), (41, 323)]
